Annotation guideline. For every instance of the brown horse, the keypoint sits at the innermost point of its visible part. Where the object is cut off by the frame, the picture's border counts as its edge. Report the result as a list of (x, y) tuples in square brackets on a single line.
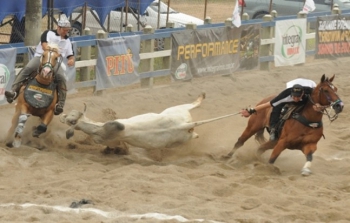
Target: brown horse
[(36, 97), (300, 132)]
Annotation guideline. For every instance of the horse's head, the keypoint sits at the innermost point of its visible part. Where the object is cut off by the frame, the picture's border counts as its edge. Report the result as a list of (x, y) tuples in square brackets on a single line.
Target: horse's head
[(48, 61), (327, 95)]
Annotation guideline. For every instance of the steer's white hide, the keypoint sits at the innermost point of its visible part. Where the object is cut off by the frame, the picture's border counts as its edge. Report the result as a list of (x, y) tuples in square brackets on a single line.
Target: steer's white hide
[(172, 127)]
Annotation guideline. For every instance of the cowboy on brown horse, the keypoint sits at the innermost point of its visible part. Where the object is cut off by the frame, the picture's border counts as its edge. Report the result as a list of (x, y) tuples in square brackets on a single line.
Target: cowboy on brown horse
[(60, 38), (296, 95), (302, 129), (37, 97)]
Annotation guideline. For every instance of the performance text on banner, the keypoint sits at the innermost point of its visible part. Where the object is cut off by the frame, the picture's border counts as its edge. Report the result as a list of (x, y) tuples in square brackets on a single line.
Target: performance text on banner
[(197, 53)]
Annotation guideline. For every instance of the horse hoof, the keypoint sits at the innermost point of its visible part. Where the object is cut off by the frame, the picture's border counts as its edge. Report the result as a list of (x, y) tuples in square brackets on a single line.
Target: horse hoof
[(228, 156), (17, 143), (305, 172), (9, 144)]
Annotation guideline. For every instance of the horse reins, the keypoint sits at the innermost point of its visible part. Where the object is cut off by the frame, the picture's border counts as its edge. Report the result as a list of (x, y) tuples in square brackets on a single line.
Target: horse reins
[(323, 108)]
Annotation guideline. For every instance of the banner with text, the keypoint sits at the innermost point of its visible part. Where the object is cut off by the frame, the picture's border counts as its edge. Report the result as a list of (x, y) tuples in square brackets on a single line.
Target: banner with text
[(117, 62), (290, 42), (333, 36), (7, 71), (197, 53)]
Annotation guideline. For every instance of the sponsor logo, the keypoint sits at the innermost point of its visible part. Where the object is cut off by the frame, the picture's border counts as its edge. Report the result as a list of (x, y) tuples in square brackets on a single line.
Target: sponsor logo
[(291, 42), (38, 97), (181, 71)]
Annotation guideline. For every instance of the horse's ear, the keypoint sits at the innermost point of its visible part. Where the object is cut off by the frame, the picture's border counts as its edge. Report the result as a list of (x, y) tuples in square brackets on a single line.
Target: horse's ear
[(332, 78), (323, 78)]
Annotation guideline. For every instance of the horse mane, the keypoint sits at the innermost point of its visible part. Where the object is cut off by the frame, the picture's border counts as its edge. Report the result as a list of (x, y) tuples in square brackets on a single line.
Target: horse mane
[(54, 47)]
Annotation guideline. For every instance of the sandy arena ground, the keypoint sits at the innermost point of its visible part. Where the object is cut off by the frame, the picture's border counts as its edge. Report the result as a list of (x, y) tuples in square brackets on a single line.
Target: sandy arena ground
[(191, 183)]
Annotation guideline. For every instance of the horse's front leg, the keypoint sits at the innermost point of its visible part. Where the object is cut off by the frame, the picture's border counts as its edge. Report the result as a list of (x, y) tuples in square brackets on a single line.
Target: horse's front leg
[(308, 151), (45, 121), (22, 119)]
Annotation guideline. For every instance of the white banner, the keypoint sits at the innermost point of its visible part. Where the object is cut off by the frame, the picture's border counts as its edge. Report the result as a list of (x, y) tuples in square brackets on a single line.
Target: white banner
[(290, 42), (7, 71)]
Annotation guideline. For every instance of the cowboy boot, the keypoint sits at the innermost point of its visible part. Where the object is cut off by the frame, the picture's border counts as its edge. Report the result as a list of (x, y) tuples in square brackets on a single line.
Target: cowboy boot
[(13, 93), (61, 88)]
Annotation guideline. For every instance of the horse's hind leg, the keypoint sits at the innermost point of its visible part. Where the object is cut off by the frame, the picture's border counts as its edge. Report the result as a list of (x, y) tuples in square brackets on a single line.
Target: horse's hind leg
[(265, 146), (248, 132)]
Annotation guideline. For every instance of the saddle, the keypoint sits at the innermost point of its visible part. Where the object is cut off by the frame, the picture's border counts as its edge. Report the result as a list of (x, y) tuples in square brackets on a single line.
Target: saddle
[(293, 111), (39, 95)]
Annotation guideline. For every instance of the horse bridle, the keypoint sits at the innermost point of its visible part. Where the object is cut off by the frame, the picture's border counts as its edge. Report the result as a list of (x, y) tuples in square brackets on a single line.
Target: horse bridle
[(323, 108), (49, 65)]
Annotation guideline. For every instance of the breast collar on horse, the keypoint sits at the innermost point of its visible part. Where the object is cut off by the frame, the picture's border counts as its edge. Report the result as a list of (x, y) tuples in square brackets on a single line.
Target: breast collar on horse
[(323, 110)]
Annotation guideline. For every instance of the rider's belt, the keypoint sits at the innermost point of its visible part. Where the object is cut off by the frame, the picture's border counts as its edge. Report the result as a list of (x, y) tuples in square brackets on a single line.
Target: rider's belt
[(304, 121)]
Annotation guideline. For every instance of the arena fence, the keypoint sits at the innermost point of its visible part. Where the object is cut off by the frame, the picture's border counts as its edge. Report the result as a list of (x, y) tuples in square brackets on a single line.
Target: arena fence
[(157, 63)]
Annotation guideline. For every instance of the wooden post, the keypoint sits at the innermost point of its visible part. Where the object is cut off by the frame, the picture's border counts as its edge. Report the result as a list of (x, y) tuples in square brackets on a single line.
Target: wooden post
[(85, 55), (228, 22), (167, 46), (336, 10), (147, 64), (303, 15), (129, 28), (207, 20), (274, 13), (100, 35), (245, 16), (265, 50)]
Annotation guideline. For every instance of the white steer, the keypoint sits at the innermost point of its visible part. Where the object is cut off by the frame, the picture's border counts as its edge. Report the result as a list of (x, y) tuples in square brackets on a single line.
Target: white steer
[(171, 127)]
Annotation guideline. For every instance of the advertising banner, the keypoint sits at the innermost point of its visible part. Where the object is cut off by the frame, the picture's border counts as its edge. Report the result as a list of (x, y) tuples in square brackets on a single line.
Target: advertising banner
[(7, 71), (333, 36), (197, 53), (117, 62), (290, 42)]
